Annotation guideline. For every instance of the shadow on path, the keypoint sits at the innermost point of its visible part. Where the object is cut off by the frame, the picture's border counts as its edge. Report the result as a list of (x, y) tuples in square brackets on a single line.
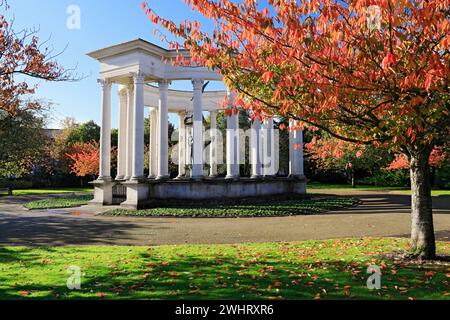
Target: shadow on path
[(377, 202), (65, 230), (379, 215)]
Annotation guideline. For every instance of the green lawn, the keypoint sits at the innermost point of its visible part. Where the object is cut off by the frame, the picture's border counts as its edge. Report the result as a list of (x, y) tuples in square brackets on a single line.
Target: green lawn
[(259, 207), (344, 187), (63, 202), (322, 186), (333, 269), (44, 191), (434, 193)]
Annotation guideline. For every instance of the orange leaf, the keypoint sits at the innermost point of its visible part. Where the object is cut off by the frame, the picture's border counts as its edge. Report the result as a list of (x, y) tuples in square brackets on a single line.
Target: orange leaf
[(267, 76)]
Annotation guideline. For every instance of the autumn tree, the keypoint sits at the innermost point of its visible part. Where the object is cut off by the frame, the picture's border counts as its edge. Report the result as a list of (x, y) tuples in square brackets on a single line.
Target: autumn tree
[(84, 132), (85, 158), (331, 153), (23, 143), (365, 71), (60, 147), (437, 158), (24, 56)]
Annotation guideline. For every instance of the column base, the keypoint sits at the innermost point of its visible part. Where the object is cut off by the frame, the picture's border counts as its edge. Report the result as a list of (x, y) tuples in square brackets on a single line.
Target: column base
[(297, 177), (107, 179), (103, 194), (120, 178), (137, 195), (232, 178), (162, 178), (256, 177), (137, 179)]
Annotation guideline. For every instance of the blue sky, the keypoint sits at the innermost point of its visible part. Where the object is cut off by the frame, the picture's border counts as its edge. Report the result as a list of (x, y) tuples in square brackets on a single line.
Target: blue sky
[(103, 23)]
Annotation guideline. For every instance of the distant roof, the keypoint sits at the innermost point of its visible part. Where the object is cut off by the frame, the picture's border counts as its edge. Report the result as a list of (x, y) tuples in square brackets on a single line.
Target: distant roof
[(52, 133)]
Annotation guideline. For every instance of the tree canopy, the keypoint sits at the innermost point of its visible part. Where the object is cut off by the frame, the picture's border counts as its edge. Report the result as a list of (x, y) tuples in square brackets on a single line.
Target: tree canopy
[(369, 72), (24, 56)]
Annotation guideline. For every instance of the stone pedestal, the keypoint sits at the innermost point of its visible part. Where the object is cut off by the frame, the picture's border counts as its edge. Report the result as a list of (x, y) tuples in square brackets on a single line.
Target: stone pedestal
[(137, 194), (103, 192)]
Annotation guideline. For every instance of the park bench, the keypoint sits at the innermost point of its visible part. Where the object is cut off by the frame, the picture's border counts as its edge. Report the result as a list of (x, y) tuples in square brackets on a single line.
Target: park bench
[(8, 191)]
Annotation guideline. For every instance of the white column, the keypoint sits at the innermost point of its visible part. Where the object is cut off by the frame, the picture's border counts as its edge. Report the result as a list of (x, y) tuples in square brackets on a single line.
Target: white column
[(153, 151), (300, 159), (197, 166), (163, 128), (269, 148), (105, 134), (256, 150), (233, 146), (130, 130), (181, 146), (292, 151), (122, 136), (295, 151), (213, 146), (138, 132)]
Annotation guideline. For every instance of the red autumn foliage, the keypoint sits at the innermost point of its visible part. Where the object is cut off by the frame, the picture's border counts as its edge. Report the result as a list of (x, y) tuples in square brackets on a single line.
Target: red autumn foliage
[(22, 54), (365, 71), (85, 157), (437, 157)]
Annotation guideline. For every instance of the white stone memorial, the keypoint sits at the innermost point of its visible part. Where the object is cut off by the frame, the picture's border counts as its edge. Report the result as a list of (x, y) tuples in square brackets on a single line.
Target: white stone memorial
[(136, 67)]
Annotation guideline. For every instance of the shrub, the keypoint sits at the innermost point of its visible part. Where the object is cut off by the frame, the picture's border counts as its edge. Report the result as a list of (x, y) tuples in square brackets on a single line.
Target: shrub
[(388, 178)]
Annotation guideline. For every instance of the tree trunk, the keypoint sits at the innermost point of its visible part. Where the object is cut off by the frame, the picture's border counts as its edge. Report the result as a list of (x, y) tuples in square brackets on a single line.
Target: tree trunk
[(422, 231)]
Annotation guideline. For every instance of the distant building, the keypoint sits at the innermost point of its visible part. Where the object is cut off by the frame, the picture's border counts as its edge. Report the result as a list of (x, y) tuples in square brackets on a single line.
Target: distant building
[(52, 133)]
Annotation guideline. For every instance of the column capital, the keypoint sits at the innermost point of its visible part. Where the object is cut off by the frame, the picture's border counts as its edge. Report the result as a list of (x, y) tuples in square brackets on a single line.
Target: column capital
[(105, 83), (122, 92), (130, 88), (198, 84), (138, 77), (164, 84)]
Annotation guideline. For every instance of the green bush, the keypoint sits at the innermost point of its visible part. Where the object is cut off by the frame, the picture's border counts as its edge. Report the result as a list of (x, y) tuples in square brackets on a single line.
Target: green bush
[(442, 177), (15, 183), (388, 178)]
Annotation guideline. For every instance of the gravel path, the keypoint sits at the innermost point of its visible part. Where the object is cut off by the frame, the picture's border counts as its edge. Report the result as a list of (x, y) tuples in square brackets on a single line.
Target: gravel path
[(380, 214)]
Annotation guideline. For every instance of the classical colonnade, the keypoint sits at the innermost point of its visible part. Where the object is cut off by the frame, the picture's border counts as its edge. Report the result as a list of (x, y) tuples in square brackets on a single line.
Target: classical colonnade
[(130, 159), (134, 67)]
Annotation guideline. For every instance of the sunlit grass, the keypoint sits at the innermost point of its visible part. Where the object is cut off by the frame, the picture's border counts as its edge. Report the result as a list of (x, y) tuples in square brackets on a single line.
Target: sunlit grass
[(45, 191), (63, 202), (434, 193), (344, 187), (333, 269)]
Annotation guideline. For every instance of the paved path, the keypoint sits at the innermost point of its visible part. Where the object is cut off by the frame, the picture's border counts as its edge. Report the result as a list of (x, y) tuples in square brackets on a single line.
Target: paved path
[(380, 214)]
